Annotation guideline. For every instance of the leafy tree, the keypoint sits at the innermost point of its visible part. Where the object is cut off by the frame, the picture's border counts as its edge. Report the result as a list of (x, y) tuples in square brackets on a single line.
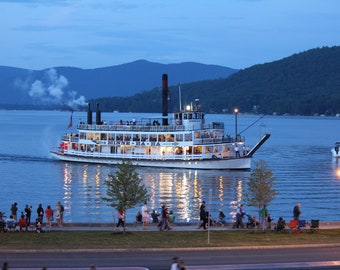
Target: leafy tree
[(125, 189), (259, 190)]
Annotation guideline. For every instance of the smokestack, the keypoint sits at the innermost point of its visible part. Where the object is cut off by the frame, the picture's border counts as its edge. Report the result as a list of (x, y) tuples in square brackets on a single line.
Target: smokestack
[(98, 120), (165, 94), (89, 114)]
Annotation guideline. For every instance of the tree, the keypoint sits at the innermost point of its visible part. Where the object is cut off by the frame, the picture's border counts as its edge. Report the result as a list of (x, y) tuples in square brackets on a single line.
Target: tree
[(259, 190), (125, 189)]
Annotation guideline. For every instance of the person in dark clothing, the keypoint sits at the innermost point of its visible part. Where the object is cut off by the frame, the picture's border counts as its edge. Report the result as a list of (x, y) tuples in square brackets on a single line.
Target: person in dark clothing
[(154, 216), (239, 217), (40, 212), (297, 211), (28, 212), (203, 216)]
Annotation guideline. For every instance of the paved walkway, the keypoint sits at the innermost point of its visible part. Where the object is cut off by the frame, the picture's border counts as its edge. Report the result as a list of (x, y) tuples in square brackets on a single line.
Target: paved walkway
[(153, 227)]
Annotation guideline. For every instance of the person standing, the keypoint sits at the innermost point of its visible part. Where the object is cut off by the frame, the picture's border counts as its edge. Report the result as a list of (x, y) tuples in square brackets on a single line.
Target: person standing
[(145, 213), (263, 216), (62, 209), (49, 215), (202, 222), (58, 214), (28, 212), (40, 212), (297, 211), (14, 210)]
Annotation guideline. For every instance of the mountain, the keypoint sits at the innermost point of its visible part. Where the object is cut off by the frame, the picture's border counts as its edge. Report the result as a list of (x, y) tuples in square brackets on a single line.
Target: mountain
[(305, 83), (70, 85)]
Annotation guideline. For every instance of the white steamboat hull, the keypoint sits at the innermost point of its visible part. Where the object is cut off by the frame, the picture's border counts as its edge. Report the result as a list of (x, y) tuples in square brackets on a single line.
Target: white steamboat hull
[(242, 163), (335, 154)]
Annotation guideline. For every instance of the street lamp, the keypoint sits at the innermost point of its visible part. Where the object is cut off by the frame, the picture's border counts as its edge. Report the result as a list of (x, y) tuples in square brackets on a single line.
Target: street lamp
[(236, 113)]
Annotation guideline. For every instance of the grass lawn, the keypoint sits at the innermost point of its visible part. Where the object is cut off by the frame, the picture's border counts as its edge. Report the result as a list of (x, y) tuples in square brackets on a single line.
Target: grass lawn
[(57, 240)]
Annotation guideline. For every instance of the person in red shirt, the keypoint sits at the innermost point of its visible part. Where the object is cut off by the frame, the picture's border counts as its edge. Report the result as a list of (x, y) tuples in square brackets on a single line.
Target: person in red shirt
[(23, 223), (49, 215)]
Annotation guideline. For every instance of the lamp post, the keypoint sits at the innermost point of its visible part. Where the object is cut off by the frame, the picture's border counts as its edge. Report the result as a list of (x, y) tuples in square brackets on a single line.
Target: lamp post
[(236, 112)]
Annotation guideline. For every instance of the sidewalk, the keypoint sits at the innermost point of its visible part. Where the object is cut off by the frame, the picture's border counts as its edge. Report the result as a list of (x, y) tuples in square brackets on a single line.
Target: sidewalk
[(153, 227)]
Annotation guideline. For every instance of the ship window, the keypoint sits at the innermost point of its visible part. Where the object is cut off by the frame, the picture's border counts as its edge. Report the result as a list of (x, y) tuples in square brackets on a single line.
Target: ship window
[(153, 138), (90, 136), (111, 136), (82, 135), (136, 137), (119, 137), (188, 137), (161, 138), (103, 136), (144, 137), (179, 137), (97, 135), (190, 116), (185, 116), (169, 137)]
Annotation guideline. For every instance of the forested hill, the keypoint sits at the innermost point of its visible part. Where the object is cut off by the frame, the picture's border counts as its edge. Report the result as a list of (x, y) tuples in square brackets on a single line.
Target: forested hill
[(306, 83)]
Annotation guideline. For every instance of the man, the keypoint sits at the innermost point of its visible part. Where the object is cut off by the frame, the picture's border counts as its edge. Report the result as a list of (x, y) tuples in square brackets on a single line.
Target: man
[(263, 216), (239, 216), (297, 211), (14, 210)]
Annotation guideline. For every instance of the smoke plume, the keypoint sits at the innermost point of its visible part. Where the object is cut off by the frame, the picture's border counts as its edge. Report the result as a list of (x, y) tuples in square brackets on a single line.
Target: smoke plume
[(52, 90)]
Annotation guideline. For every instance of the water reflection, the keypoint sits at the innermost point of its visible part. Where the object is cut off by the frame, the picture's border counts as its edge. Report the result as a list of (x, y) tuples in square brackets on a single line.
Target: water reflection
[(182, 190), (336, 166)]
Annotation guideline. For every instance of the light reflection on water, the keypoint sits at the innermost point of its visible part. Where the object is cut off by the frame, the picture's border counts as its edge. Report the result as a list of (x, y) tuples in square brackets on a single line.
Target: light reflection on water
[(182, 191)]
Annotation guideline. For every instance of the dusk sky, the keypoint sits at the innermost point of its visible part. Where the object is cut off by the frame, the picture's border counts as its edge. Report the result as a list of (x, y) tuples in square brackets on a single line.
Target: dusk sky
[(38, 34)]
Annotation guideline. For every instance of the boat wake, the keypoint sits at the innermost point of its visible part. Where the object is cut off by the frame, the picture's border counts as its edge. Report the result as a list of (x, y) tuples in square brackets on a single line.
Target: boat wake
[(20, 158)]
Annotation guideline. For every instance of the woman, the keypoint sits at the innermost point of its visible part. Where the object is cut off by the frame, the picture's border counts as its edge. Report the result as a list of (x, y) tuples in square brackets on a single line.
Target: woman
[(49, 215)]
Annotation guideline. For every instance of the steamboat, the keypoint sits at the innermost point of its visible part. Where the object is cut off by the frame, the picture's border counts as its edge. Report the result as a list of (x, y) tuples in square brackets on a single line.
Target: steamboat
[(182, 140)]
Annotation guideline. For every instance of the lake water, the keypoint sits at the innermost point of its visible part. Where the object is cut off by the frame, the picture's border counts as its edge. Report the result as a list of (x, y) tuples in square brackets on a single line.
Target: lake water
[(298, 153)]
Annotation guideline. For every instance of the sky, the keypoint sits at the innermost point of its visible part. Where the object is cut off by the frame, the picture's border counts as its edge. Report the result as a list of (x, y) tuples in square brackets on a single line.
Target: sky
[(39, 34)]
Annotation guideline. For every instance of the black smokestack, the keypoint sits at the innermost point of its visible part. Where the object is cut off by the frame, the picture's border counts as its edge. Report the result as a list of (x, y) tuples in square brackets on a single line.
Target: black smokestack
[(89, 114), (165, 94), (98, 120)]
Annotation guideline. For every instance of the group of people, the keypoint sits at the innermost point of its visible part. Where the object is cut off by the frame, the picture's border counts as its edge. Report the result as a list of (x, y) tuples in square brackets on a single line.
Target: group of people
[(207, 220), (24, 221), (163, 219), (265, 221)]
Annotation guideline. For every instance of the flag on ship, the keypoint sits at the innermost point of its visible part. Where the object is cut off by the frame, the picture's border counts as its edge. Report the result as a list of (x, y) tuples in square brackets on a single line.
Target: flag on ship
[(70, 124)]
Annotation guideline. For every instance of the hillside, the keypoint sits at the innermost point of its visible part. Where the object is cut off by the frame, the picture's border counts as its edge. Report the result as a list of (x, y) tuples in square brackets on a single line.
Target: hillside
[(71, 86), (306, 83)]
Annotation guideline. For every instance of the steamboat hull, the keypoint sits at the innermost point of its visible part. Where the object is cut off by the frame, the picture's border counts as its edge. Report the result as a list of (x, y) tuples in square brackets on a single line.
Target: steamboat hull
[(242, 163)]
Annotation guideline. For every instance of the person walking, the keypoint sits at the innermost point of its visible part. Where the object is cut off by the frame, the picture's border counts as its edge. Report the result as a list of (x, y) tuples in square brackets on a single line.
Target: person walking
[(297, 211), (121, 219), (164, 225), (239, 216), (145, 214)]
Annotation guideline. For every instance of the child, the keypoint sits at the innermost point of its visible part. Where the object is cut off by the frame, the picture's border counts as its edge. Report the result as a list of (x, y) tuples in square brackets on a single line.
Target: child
[(269, 222)]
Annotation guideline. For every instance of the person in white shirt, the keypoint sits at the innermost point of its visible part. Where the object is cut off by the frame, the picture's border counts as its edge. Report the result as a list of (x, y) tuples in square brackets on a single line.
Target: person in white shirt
[(145, 214)]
